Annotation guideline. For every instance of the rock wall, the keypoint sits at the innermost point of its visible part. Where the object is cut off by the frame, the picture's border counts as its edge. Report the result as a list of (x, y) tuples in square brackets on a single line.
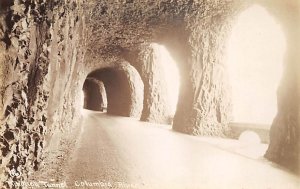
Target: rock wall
[(195, 33), (32, 33), (94, 95), (204, 103), (284, 147), (121, 28), (156, 108), (47, 48)]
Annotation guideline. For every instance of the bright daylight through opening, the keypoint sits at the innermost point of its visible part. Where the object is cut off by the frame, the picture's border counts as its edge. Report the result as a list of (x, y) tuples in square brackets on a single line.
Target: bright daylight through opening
[(255, 59), (171, 74)]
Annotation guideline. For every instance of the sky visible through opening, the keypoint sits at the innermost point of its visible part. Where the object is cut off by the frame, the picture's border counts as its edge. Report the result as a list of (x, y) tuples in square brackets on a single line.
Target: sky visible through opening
[(170, 73), (256, 50)]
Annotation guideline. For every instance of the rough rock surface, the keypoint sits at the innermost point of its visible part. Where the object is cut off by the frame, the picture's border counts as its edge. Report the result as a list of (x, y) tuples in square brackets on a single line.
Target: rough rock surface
[(121, 30), (204, 103), (33, 42), (48, 48), (156, 108)]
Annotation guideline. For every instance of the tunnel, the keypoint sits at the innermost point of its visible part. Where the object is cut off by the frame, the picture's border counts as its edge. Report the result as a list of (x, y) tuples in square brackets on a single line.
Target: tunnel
[(150, 94), (94, 95), (123, 88)]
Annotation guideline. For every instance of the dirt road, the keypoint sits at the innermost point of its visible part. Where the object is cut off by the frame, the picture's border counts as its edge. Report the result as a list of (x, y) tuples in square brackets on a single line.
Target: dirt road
[(118, 152)]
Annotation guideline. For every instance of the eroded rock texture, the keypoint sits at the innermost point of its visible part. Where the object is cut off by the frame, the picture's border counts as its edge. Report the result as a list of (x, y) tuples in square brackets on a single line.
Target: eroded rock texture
[(195, 33), (156, 107), (48, 48), (204, 103), (33, 36)]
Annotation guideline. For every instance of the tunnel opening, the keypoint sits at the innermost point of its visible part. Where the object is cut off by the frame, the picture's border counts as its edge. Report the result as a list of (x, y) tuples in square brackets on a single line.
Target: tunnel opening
[(115, 90), (94, 95), (256, 51), (170, 75)]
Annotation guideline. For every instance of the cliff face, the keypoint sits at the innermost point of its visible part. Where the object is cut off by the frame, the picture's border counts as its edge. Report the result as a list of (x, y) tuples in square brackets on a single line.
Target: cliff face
[(39, 50), (48, 48)]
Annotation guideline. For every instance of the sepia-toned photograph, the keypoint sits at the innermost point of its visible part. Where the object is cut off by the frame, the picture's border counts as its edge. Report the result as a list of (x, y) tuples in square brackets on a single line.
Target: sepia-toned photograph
[(150, 94)]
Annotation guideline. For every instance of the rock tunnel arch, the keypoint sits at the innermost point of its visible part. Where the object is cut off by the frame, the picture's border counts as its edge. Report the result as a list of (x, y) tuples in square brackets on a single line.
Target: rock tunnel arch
[(170, 74), (94, 93), (284, 145), (284, 131), (123, 87), (255, 56), (160, 76), (60, 45)]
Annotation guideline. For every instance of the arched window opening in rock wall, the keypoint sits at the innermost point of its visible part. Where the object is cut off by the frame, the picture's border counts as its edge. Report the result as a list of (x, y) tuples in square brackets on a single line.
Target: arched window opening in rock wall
[(94, 95), (256, 50), (170, 75)]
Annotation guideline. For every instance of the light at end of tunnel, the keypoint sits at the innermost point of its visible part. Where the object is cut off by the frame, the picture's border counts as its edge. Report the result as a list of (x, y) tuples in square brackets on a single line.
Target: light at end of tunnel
[(255, 56)]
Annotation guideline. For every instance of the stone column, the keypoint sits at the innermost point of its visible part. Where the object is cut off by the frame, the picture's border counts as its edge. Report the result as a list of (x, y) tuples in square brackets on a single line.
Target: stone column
[(156, 108), (204, 103), (284, 147)]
